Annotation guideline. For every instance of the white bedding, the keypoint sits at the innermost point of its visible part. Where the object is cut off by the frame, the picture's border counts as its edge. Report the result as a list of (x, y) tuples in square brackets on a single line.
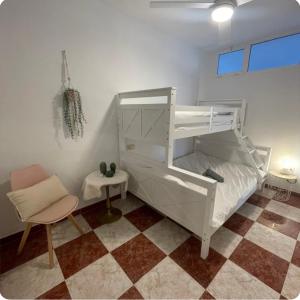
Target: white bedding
[(184, 114), (240, 182)]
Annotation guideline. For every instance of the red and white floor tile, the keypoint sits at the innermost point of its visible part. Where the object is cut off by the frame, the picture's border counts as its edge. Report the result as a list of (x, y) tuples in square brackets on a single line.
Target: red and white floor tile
[(255, 255)]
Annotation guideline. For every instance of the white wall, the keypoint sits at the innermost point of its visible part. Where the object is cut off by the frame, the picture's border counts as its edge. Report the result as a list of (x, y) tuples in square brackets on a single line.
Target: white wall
[(273, 116), (108, 53)]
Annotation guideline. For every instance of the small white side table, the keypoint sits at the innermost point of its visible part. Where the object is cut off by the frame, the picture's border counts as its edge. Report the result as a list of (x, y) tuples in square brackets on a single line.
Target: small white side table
[(92, 188), (284, 193)]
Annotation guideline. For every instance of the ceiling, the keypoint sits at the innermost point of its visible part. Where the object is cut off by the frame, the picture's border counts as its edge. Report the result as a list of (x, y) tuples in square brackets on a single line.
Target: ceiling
[(252, 21)]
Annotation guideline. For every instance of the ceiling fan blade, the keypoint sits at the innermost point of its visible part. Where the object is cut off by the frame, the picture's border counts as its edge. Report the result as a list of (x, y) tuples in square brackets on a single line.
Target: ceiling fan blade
[(242, 2), (182, 4)]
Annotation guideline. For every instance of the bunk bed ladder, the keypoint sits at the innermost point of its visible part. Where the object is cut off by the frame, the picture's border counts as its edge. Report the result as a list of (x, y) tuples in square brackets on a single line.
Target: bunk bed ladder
[(253, 153)]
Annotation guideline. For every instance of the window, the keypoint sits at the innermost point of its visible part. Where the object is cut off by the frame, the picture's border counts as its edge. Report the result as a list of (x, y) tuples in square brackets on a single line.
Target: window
[(231, 62), (280, 52)]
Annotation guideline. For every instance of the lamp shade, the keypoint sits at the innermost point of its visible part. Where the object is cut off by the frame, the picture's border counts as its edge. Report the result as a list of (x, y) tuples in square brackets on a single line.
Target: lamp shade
[(222, 13)]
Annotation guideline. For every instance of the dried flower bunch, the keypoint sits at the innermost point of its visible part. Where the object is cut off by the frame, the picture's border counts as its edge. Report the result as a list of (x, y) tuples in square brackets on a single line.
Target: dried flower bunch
[(73, 114)]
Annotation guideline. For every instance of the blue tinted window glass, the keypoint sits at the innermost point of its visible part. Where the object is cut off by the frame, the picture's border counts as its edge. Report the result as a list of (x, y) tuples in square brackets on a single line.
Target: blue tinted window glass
[(231, 62), (275, 53)]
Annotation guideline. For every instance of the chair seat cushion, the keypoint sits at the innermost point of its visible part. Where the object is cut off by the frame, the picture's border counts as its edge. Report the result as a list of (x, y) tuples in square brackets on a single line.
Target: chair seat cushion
[(56, 212), (34, 199)]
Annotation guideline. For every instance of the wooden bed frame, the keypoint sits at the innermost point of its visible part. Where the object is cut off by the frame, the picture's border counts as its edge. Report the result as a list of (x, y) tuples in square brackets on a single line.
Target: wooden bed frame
[(149, 125)]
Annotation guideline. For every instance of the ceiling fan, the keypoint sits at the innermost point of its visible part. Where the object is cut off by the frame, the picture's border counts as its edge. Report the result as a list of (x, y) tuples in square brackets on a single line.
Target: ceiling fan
[(222, 10)]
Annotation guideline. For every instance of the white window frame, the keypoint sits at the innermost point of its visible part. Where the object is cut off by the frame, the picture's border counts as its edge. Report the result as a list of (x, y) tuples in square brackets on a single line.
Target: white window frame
[(247, 49), (228, 51)]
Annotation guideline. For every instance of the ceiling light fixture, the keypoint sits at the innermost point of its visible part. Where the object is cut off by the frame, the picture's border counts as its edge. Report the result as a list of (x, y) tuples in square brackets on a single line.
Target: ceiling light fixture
[(222, 13)]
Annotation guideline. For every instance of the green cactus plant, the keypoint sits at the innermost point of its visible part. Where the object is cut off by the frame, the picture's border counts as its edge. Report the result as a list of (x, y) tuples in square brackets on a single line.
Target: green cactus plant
[(105, 171), (113, 167), (109, 173), (103, 168)]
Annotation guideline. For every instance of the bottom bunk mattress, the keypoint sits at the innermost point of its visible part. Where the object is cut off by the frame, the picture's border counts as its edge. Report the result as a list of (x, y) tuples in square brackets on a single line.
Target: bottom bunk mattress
[(240, 182)]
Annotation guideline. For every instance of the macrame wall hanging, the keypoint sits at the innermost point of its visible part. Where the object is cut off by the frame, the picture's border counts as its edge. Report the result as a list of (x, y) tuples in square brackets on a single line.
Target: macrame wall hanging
[(72, 108)]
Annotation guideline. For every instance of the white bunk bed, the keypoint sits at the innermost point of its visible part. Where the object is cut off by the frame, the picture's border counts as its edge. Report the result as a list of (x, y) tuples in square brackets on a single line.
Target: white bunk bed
[(149, 125)]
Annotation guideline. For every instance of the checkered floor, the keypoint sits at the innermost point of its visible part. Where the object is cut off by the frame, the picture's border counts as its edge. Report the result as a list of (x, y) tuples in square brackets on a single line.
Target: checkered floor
[(255, 255)]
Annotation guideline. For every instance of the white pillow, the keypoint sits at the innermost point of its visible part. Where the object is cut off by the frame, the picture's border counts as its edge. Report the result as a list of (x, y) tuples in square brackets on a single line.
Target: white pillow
[(32, 200)]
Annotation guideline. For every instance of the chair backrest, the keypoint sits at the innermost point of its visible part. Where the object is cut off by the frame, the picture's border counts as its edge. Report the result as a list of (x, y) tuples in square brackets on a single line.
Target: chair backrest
[(27, 177)]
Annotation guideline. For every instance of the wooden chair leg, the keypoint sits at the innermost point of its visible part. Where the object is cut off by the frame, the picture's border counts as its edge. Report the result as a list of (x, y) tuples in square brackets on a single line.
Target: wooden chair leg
[(50, 247), (24, 237), (74, 222)]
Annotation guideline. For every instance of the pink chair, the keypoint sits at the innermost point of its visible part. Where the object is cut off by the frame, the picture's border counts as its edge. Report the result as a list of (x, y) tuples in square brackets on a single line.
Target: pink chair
[(61, 209)]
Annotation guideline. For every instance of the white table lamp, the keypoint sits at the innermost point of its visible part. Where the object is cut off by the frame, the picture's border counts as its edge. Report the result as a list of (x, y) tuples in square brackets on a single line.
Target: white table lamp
[(287, 166)]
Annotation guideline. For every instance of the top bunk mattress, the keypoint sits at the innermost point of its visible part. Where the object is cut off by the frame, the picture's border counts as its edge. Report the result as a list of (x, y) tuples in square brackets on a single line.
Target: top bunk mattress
[(240, 181), (199, 113), (198, 116)]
